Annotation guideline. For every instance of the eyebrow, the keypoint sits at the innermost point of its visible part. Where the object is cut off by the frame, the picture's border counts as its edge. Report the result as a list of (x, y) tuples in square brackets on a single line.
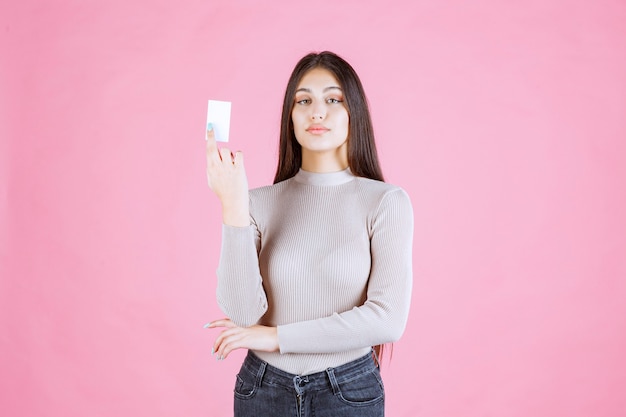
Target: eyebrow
[(308, 90)]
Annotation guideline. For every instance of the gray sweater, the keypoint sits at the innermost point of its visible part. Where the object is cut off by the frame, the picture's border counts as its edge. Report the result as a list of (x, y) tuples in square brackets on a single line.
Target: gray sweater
[(328, 260)]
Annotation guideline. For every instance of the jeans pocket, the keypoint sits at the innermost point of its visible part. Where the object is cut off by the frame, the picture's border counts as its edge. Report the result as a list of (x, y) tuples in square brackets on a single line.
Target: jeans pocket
[(365, 390), (245, 384)]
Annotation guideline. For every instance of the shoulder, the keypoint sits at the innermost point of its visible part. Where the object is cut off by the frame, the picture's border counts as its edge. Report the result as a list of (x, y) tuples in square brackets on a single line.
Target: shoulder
[(379, 190), (388, 205), (390, 209), (263, 198), (269, 190)]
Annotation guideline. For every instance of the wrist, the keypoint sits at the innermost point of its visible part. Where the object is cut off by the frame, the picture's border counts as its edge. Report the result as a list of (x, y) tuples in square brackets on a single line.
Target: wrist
[(236, 219), (275, 338), (236, 214)]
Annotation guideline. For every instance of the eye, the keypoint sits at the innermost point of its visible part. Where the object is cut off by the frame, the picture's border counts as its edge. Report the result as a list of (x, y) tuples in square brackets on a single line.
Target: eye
[(303, 101), (334, 101)]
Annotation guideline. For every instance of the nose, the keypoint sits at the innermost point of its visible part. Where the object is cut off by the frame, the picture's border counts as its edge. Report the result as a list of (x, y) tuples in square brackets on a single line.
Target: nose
[(318, 111)]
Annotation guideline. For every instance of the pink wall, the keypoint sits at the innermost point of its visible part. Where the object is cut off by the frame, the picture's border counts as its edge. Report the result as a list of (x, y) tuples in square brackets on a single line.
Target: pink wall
[(505, 121)]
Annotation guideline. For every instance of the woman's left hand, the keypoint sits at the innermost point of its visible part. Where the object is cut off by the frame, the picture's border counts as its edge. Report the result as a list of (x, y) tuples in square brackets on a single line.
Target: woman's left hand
[(255, 337)]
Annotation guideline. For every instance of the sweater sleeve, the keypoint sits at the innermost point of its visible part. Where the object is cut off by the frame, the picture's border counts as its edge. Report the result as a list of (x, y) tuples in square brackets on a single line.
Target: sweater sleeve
[(240, 292), (382, 317)]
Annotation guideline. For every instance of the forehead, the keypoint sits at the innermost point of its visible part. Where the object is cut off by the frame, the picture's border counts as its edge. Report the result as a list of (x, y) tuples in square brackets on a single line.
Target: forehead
[(318, 78)]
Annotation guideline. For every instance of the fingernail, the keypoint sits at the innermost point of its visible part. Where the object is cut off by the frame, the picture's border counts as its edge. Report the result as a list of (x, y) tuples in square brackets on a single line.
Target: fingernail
[(212, 351), (206, 325), (209, 126)]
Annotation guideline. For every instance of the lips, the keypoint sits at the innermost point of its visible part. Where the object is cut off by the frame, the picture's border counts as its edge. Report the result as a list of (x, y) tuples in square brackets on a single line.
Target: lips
[(317, 129)]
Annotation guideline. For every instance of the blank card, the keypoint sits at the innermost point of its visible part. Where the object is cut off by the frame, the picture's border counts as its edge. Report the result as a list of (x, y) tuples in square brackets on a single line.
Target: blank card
[(218, 114)]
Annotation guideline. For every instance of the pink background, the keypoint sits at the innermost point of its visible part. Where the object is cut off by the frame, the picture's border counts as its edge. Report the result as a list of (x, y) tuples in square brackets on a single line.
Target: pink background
[(505, 122)]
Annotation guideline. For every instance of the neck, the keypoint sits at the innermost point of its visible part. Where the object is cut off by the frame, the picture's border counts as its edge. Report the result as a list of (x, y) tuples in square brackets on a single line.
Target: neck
[(324, 161)]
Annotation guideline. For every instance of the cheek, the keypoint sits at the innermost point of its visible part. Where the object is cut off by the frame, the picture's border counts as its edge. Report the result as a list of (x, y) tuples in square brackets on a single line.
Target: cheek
[(298, 125), (346, 120), (296, 120)]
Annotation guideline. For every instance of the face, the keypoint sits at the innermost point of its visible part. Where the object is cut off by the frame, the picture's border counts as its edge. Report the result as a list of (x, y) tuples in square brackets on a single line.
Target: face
[(320, 117)]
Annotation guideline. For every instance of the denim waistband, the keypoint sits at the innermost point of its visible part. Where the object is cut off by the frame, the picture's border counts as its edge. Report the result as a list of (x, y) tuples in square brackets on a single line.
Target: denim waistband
[(328, 379)]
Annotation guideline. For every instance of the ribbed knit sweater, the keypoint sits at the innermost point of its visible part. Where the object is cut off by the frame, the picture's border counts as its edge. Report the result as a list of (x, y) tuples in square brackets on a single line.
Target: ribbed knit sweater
[(326, 259)]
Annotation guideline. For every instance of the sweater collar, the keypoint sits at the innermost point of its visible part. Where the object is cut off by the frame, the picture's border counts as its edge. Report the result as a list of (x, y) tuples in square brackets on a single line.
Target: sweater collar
[(324, 178)]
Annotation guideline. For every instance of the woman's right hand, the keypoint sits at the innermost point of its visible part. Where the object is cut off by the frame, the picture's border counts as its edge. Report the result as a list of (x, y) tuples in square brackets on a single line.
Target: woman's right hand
[(227, 179)]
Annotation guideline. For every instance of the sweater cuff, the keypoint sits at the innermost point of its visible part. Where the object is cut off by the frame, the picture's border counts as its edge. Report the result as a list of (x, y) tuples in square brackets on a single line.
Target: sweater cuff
[(237, 232)]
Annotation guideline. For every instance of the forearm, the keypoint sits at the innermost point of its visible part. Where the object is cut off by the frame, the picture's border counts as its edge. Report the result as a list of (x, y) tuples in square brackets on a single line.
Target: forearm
[(240, 292), (373, 323)]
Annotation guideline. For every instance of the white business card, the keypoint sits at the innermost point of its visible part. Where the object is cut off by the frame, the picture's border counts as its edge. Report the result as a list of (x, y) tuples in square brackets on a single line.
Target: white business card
[(218, 114)]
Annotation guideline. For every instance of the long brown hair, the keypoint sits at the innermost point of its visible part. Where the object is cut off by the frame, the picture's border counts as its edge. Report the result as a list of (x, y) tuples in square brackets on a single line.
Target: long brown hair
[(362, 155)]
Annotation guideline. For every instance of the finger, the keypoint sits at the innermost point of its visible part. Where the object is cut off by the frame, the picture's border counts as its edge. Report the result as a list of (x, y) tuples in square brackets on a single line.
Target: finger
[(227, 342), (234, 342), (238, 159), (224, 334), (226, 155), (212, 151), (220, 323), (219, 340)]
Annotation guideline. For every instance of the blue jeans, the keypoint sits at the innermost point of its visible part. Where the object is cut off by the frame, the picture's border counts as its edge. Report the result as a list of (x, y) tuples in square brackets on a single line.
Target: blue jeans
[(352, 389)]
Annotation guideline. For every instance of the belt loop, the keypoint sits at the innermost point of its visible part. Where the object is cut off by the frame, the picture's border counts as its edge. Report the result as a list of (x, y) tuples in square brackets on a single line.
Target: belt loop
[(375, 357), (333, 380), (260, 373)]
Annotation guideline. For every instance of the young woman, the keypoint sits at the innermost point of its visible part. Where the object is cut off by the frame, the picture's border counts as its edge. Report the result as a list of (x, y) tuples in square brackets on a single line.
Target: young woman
[(315, 270)]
